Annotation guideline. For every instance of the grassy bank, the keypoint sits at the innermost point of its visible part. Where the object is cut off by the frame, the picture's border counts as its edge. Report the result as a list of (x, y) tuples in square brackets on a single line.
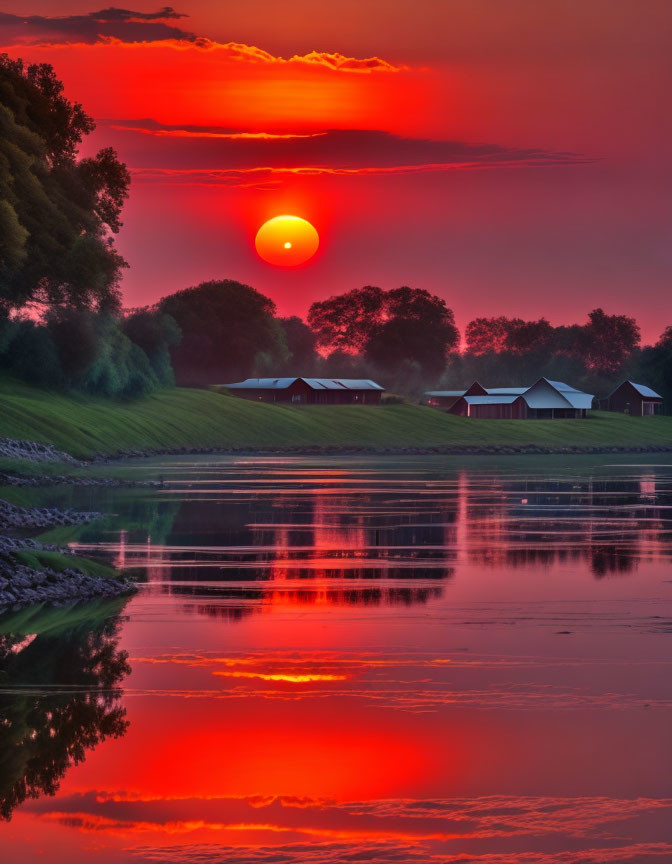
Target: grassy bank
[(181, 418), (40, 559)]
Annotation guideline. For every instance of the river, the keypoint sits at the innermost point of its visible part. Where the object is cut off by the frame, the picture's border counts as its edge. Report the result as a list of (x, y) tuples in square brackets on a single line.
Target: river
[(418, 659)]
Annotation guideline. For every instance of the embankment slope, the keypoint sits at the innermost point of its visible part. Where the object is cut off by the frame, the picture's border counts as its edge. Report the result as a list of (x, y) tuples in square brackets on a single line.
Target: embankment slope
[(177, 419)]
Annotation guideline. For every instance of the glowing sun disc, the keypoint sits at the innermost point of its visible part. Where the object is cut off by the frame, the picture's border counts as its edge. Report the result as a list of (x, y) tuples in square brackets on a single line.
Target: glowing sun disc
[(286, 241)]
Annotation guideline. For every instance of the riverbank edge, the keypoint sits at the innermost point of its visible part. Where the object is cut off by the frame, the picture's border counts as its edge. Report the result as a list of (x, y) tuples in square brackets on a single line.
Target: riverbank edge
[(23, 585), (363, 450)]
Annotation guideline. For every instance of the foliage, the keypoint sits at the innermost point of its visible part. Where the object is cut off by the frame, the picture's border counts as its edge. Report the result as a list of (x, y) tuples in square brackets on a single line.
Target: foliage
[(655, 368), (594, 356), (155, 333), (301, 343), (603, 345), (28, 350), (346, 321), (90, 352), (57, 213), (46, 730), (228, 332), (405, 334)]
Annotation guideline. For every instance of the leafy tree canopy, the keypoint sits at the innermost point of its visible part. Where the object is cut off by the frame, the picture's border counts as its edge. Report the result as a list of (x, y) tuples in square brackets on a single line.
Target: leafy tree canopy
[(301, 346), (228, 332), (57, 212), (390, 329)]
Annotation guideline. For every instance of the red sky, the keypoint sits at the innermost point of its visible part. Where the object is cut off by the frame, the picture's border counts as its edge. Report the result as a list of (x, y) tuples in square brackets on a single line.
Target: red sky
[(513, 157)]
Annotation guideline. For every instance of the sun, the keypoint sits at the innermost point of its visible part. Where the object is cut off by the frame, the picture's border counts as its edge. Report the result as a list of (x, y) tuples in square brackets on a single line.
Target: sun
[(286, 241)]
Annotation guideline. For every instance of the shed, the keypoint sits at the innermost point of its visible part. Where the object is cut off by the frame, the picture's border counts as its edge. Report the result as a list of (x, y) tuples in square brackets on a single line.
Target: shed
[(309, 391), (544, 399), (635, 399)]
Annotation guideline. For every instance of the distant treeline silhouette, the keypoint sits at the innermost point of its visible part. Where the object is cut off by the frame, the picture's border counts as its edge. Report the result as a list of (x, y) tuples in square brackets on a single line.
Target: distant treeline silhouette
[(62, 324)]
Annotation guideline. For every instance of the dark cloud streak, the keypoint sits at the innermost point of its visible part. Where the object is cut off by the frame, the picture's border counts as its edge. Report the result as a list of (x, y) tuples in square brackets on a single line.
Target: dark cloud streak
[(111, 23), (148, 145)]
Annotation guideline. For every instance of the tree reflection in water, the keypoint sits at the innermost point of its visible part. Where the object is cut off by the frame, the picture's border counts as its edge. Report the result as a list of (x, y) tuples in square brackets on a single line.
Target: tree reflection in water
[(59, 695)]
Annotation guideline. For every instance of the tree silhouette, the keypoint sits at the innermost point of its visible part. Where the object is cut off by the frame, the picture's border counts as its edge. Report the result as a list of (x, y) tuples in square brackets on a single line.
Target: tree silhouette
[(396, 331), (57, 213), (228, 331), (44, 732)]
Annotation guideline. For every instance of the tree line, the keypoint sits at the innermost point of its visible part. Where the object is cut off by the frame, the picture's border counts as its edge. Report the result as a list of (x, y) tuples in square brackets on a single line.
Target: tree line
[(62, 324)]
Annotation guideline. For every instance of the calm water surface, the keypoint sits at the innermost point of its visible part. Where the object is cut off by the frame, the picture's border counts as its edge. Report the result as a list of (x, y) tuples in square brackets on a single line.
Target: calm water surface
[(353, 660)]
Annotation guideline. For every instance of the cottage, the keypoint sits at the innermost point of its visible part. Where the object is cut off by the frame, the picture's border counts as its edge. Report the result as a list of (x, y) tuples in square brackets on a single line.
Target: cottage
[(309, 391), (635, 399), (545, 399)]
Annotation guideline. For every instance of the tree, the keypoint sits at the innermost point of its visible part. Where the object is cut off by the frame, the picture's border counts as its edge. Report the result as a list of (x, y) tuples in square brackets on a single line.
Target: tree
[(74, 334), (487, 335), (610, 340), (228, 330), (655, 367), (76, 705), (405, 328), (301, 345), (347, 321), (57, 213), (155, 332), (526, 337), (417, 334)]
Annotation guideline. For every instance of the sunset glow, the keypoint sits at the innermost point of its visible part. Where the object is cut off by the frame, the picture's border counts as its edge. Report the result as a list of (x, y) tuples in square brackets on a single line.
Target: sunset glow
[(335, 432), (286, 241)]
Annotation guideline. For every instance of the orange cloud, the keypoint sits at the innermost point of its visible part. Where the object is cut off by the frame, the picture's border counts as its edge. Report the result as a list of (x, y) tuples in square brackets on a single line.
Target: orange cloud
[(231, 136), (289, 677), (202, 82)]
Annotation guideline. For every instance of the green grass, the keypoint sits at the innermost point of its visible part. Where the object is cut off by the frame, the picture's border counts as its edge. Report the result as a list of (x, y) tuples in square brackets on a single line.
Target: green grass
[(178, 418), (39, 560), (52, 620)]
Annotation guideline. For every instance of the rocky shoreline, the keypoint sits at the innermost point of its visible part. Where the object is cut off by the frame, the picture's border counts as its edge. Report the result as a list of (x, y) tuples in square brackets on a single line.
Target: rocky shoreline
[(22, 586), (16, 479), (344, 450), (33, 451), (13, 517)]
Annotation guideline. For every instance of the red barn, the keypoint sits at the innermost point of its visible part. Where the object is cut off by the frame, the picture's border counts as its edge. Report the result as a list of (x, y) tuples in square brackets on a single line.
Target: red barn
[(635, 399), (309, 391)]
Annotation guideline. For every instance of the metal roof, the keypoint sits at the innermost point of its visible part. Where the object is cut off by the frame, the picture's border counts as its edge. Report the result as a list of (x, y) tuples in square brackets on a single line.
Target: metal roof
[(342, 384), (560, 385), (556, 394), (543, 394), (502, 399), (579, 400), (262, 384), (313, 383), (643, 390)]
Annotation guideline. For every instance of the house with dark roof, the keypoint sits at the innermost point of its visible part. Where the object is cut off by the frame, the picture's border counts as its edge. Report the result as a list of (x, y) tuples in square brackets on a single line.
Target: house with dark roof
[(545, 399), (635, 399), (309, 391)]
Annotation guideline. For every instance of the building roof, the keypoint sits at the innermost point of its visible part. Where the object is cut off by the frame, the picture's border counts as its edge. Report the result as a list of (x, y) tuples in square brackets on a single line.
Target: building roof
[(501, 399), (342, 384), (642, 389), (556, 394), (560, 385), (544, 393), (313, 383)]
